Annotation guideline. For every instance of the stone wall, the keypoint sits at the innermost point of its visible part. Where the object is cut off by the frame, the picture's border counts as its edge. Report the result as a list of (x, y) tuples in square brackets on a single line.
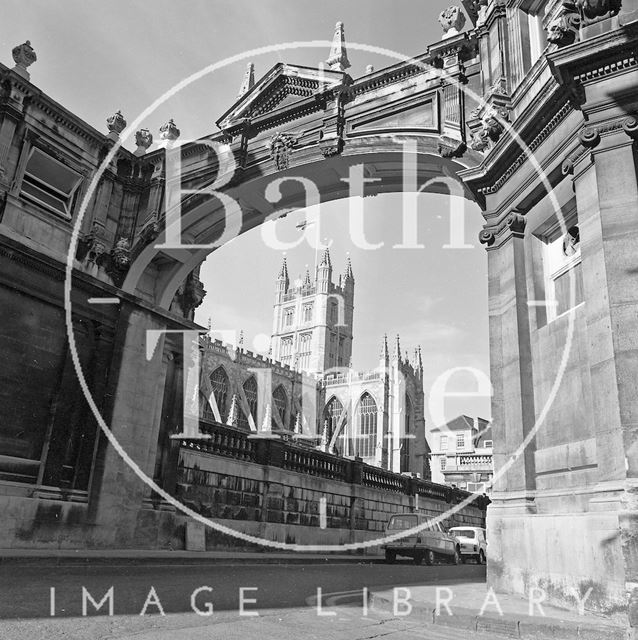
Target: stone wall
[(280, 502)]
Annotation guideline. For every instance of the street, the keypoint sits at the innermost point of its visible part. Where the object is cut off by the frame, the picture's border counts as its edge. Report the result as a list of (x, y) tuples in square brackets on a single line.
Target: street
[(221, 600)]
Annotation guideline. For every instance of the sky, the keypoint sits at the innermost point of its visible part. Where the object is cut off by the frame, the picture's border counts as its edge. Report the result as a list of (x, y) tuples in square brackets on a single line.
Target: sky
[(95, 58)]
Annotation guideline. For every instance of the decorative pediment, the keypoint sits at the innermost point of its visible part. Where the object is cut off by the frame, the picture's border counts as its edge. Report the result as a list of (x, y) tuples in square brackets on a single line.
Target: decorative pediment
[(283, 86)]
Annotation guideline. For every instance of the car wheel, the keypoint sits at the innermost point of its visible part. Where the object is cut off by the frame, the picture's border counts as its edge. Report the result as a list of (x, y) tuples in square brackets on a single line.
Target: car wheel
[(457, 556), (429, 557), (390, 556), (418, 558), (481, 557)]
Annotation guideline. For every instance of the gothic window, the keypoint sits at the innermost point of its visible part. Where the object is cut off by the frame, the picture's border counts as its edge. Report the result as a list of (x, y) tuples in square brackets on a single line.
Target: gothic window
[(334, 313), (219, 382), (250, 391), (332, 413), (289, 317), (280, 400), (206, 410), (307, 313), (407, 438), (366, 427), (286, 350), (305, 351), (50, 183)]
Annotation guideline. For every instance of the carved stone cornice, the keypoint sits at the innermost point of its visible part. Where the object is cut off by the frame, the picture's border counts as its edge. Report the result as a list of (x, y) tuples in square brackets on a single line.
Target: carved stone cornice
[(593, 59)]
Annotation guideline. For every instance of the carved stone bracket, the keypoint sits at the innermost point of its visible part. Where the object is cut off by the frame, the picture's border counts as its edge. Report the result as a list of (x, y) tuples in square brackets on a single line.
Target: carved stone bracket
[(119, 261), (281, 145), (451, 147), (190, 294), (488, 127)]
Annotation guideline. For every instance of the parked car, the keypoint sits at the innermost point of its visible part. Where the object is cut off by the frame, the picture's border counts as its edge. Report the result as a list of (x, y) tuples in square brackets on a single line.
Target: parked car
[(473, 542), (427, 544)]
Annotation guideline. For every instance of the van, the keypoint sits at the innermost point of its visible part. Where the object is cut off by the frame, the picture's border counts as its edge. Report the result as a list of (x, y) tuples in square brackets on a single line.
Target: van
[(428, 544), (473, 542)]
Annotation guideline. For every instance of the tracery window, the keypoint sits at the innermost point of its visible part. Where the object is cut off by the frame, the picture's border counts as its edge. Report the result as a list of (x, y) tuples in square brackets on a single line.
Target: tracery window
[(280, 400), (220, 385), (251, 393), (366, 427)]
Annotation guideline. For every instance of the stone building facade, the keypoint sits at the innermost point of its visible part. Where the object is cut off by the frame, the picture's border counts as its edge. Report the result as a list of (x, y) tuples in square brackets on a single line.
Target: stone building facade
[(461, 454), (561, 245)]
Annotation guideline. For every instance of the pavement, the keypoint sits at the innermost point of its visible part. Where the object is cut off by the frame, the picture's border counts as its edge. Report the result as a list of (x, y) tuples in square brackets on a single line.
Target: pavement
[(474, 608), (149, 557), (449, 608)]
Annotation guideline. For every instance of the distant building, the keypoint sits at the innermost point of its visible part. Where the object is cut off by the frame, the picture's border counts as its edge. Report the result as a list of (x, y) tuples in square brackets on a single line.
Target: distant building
[(308, 387), (461, 454)]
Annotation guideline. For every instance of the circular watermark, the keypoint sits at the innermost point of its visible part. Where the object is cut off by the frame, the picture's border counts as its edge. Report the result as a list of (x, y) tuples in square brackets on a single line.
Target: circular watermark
[(508, 129)]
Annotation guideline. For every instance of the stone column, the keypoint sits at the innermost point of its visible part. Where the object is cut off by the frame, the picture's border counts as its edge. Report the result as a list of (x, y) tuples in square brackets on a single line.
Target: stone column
[(513, 411), (607, 200), (137, 387)]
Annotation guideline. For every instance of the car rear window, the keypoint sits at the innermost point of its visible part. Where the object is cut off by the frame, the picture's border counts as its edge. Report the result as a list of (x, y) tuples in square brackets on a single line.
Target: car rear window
[(399, 523), (463, 533)]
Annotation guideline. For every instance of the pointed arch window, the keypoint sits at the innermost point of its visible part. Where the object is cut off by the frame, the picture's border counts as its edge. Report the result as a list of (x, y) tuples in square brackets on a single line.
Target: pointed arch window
[(280, 400), (220, 385), (206, 411), (332, 415), (408, 435), (251, 392), (366, 427)]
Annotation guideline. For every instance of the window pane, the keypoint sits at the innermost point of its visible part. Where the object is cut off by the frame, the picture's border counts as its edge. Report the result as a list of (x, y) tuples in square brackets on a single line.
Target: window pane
[(52, 172), (562, 288)]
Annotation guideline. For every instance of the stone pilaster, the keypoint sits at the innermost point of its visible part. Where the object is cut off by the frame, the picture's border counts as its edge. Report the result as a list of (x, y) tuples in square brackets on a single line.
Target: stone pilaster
[(137, 386)]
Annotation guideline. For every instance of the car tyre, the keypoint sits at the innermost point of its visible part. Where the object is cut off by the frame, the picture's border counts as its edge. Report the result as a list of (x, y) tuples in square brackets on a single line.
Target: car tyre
[(429, 557), (390, 556)]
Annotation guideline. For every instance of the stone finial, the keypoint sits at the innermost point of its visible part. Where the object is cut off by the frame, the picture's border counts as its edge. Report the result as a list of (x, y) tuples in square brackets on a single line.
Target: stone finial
[(169, 132), (249, 80), (338, 58), (452, 20), (24, 56), (116, 124), (369, 69), (143, 140)]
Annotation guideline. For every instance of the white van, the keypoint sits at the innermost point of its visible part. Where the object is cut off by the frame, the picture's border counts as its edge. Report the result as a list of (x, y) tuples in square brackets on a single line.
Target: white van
[(473, 542), (427, 544)]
